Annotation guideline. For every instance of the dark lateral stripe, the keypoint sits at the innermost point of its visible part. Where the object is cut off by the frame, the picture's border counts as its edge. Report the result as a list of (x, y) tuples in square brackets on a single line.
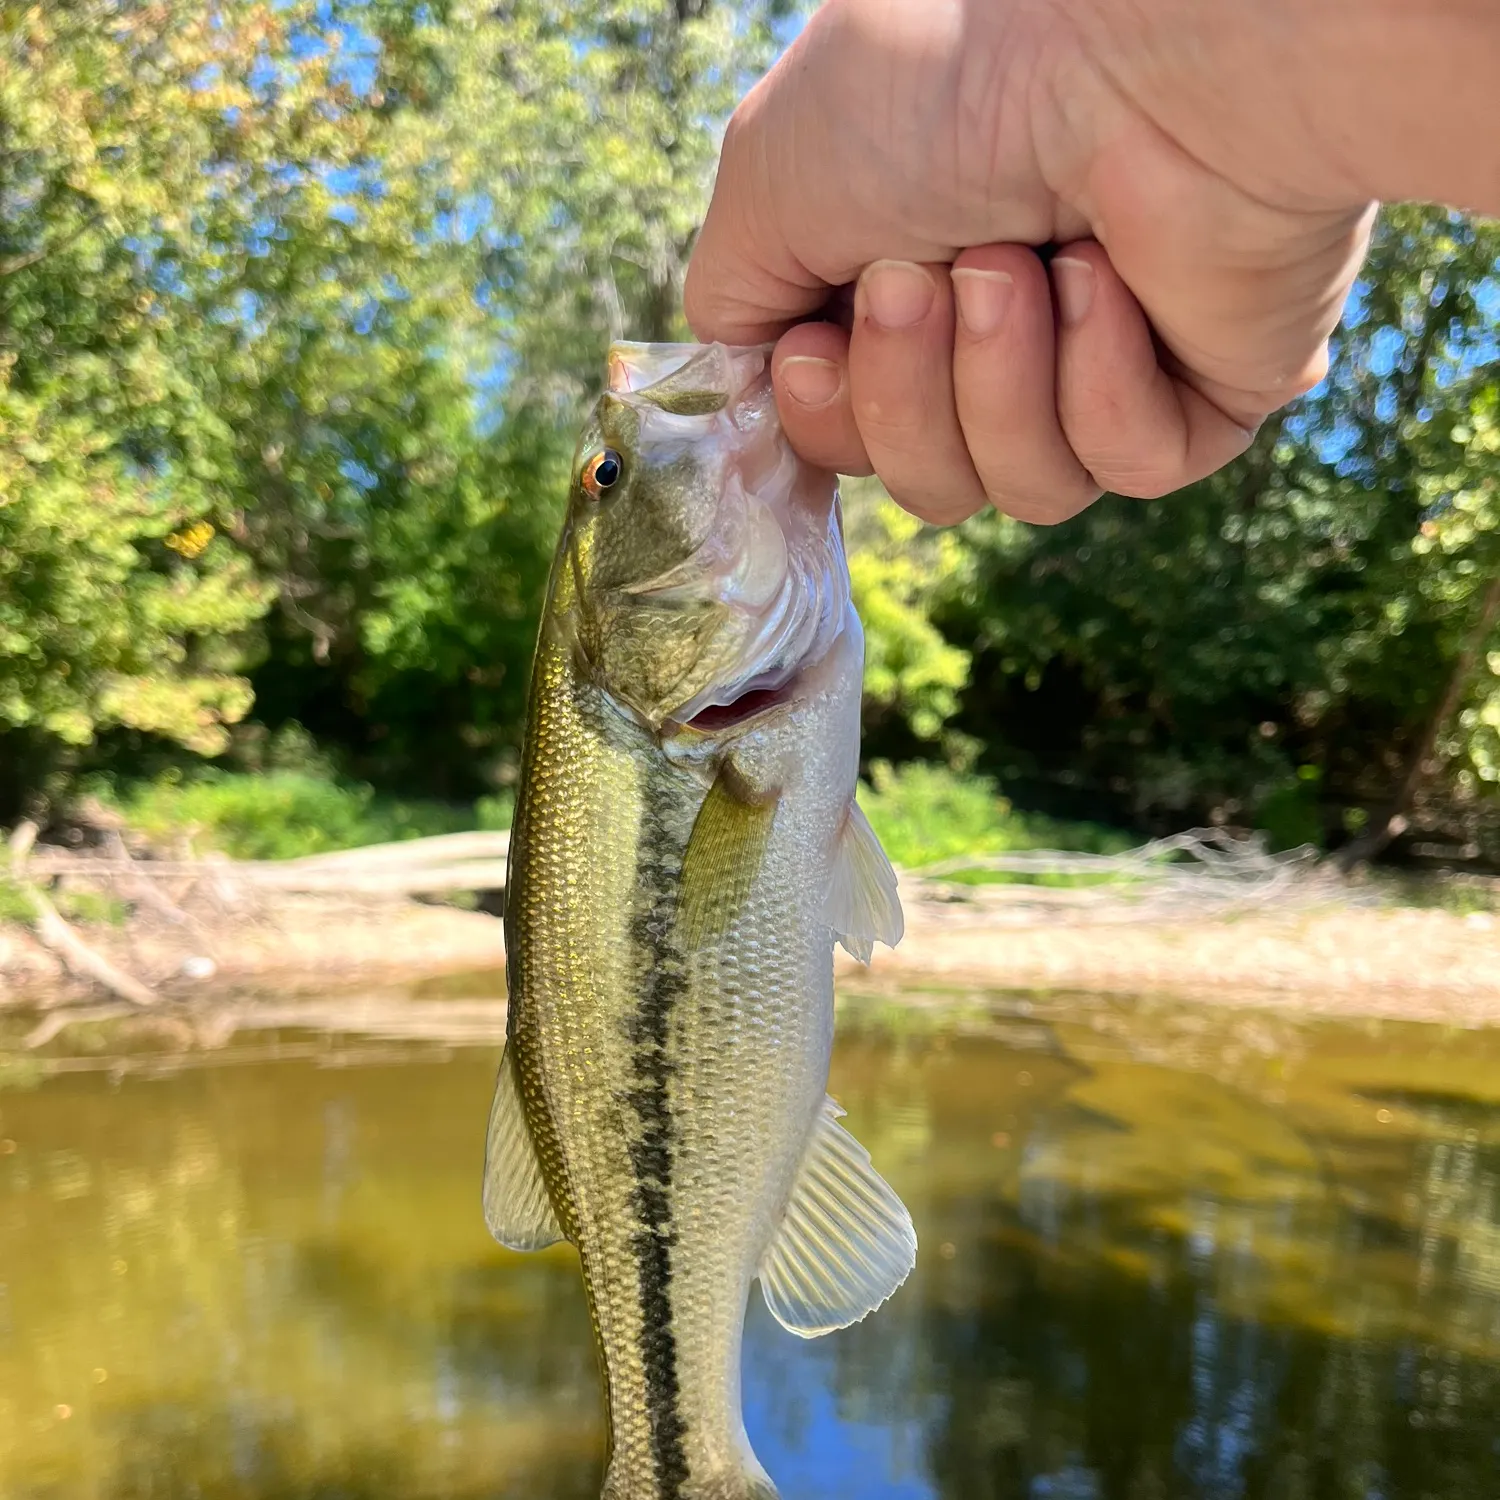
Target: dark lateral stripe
[(662, 971)]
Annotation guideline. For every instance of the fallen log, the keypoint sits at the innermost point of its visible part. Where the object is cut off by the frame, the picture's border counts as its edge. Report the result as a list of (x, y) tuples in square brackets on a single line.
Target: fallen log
[(414, 867)]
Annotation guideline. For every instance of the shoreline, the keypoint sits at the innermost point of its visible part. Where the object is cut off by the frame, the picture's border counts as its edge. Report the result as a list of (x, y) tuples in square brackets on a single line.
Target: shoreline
[(1400, 962), (1393, 961)]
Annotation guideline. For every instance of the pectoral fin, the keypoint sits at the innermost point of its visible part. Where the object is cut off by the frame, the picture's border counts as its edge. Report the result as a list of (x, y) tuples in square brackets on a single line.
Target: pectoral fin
[(863, 906), (846, 1242), (723, 856), (516, 1206)]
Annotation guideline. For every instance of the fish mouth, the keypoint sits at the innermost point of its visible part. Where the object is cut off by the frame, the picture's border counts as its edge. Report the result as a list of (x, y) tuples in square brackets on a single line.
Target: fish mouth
[(751, 704)]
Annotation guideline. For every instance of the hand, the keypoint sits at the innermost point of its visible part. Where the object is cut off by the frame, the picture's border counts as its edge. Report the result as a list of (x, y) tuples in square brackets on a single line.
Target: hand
[(1205, 244)]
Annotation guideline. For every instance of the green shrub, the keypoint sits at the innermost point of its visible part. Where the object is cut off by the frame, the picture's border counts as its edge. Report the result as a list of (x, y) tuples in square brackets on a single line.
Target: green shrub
[(93, 907), (285, 814), (493, 814), (1289, 814), (926, 813)]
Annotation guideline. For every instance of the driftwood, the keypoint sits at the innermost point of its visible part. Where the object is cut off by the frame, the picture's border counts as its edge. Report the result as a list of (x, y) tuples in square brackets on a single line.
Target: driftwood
[(1200, 874), (57, 937), (380, 1017), (449, 862), (161, 888)]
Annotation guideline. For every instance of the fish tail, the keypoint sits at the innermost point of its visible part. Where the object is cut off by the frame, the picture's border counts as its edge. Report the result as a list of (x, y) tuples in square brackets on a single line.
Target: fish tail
[(747, 1483)]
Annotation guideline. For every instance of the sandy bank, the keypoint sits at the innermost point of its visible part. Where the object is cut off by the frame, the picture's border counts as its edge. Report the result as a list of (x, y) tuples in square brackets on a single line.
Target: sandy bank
[(1391, 961), (1397, 961), (295, 942)]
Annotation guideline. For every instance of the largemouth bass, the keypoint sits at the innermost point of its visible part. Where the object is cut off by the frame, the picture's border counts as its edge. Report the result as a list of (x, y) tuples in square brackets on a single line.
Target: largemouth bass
[(686, 851)]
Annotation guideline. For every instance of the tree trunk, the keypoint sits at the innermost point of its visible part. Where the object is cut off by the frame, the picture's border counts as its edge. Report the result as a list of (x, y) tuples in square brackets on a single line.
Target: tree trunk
[(1393, 821)]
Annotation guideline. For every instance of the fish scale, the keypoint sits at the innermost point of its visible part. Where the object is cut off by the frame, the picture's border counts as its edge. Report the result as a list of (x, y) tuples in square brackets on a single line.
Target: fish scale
[(673, 902)]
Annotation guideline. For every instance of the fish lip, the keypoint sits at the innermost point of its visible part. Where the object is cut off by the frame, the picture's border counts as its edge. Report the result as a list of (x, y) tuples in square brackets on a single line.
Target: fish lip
[(633, 368)]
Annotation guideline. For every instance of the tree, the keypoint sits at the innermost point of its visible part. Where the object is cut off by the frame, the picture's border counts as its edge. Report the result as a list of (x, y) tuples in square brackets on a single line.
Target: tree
[(1310, 624), (119, 601)]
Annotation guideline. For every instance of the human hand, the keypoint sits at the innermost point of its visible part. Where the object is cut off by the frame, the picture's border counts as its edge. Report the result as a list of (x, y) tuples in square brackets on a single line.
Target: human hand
[(1205, 244)]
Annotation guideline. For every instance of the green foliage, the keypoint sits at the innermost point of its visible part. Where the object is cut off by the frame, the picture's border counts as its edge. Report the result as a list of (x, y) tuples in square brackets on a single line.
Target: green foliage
[(925, 813), (493, 814), (14, 905), (119, 604), (896, 565), (94, 907), (1289, 814), (281, 815)]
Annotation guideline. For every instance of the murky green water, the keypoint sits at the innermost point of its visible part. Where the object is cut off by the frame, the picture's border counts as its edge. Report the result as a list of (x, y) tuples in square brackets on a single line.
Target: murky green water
[(1165, 1253)]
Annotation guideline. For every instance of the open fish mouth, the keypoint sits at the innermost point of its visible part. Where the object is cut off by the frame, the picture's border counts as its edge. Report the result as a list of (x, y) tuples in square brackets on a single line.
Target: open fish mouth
[(775, 554), (753, 702)]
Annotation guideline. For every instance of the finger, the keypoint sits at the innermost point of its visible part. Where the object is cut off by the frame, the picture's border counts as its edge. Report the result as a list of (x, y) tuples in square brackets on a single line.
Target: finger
[(901, 381), (1243, 295), (810, 371), (1137, 429), (1004, 386)]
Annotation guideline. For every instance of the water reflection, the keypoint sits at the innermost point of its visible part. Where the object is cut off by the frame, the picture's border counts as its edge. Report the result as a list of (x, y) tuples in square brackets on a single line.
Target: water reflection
[(1165, 1253)]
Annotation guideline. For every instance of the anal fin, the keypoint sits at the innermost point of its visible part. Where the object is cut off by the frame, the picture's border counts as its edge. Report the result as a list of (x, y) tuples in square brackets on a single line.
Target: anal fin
[(863, 905), (517, 1208), (846, 1241)]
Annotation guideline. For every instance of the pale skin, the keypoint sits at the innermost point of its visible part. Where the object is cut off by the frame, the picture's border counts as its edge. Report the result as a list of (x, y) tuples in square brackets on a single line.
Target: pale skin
[(1207, 171)]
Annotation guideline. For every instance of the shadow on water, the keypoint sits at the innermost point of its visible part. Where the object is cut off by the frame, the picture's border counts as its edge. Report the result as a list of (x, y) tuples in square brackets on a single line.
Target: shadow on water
[(1166, 1253)]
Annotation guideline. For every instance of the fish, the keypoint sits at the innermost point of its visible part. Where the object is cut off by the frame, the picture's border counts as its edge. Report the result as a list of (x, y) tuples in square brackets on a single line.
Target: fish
[(686, 851)]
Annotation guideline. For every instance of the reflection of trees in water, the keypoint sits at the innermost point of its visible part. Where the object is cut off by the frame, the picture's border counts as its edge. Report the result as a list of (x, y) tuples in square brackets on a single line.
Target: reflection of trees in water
[(1149, 1389), (281, 1283), (1181, 1293), (178, 1453), (1138, 1281)]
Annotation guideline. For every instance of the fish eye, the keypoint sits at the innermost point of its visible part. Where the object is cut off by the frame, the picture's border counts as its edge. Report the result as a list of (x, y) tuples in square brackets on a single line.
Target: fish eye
[(602, 472)]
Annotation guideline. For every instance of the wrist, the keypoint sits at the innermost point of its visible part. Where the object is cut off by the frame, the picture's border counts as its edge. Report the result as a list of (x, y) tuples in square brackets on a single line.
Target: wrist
[(1407, 93)]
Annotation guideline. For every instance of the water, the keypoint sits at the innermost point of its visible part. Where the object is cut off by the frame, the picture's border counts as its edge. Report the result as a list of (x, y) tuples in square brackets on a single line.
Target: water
[(1165, 1253)]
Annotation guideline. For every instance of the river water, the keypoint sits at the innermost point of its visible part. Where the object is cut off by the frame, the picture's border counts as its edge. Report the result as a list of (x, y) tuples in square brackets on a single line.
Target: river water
[(1166, 1252)]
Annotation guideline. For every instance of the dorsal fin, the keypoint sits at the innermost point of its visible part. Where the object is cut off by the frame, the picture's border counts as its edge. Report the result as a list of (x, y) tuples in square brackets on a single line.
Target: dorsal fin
[(846, 1241), (863, 905), (516, 1205)]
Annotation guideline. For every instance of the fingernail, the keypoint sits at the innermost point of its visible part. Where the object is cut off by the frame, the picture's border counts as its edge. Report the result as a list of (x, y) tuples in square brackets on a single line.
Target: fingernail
[(809, 381), (898, 294), (982, 299), (1074, 280)]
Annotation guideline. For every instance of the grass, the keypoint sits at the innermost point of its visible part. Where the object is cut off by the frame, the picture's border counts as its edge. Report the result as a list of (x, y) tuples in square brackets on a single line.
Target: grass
[(923, 813), (926, 813), (14, 906), (75, 905)]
